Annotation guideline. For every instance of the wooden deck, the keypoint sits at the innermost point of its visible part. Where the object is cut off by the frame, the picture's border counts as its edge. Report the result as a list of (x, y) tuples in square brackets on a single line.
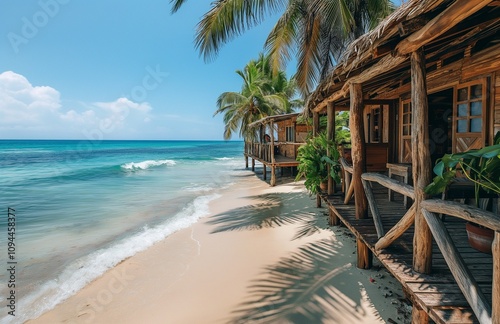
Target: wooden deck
[(437, 294)]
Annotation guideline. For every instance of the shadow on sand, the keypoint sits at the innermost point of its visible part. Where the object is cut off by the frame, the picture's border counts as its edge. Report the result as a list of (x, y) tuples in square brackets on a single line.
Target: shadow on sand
[(306, 287), (269, 211)]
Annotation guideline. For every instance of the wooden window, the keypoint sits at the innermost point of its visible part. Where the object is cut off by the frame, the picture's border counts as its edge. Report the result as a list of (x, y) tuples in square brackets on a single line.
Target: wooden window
[(405, 131), (290, 134), (469, 116)]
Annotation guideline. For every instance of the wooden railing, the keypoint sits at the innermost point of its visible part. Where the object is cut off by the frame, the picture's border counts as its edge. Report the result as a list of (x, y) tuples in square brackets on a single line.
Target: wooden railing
[(265, 151), (430, 208)]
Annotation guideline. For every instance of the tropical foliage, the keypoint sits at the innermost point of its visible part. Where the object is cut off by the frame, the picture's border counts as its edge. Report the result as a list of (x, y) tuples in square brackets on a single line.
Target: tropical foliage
[(342, 132), (314, 157), (316, 30), (482, 167), (262, 94)]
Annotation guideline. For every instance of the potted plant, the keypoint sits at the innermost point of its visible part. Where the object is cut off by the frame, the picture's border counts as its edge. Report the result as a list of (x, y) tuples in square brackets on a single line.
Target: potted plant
[(314, 161), (482, 168)]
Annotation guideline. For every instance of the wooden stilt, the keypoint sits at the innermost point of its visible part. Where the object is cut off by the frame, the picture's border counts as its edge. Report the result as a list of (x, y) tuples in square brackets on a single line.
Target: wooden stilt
[(365, 256), (253, 164), (318, 200), (273, 176), (333, 220), (421, 161), (330, 133), (358, 166), (246, 161), (495, 299), (419, 316), (265, 172)]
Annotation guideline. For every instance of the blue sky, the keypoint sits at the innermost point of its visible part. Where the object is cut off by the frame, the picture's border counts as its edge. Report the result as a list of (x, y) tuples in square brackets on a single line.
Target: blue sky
[(113, 70)]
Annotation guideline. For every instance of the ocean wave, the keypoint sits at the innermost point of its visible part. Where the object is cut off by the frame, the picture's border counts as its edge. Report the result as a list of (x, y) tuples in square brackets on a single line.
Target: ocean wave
[(86, 269), (225, 158), (133, 166)]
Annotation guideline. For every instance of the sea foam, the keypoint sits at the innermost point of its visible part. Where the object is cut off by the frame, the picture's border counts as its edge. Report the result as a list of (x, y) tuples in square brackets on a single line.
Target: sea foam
[(86, 269), (134, 166)]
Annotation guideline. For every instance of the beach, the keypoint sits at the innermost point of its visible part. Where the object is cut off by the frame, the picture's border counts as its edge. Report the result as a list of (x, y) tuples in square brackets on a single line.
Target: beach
[(262, 254)]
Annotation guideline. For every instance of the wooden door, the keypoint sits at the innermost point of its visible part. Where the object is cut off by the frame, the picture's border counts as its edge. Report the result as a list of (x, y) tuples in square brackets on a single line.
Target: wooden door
[(469, 116)]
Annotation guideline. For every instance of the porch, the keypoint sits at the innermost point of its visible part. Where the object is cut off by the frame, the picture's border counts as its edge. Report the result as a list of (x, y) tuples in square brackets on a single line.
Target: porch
[(389, 236)]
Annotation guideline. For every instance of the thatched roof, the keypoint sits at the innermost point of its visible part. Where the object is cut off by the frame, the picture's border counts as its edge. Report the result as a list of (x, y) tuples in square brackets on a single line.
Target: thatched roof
[(383, 50)]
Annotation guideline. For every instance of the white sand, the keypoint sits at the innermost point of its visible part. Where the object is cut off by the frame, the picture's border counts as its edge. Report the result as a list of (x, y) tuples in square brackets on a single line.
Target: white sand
[(263, 255)]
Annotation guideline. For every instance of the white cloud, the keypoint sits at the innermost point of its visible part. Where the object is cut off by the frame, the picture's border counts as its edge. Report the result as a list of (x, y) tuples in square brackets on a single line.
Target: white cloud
[(28, 111)]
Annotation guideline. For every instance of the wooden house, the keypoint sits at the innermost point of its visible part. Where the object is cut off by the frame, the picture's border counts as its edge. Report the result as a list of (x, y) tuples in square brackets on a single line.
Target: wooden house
[(276, 142), (425, 82)]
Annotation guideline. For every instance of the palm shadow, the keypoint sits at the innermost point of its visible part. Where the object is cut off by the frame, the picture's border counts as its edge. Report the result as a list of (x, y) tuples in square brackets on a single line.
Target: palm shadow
[(270, 211), (306, 287)]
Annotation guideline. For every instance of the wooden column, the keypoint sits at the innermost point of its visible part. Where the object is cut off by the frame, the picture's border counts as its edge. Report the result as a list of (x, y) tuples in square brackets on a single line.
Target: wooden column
[(358, 166), (358, 149), (495, 298), (334, 219), (421, 161), (418, 315), (246, 161), (273, 167), (315, 123), (253, 164), (315, 133), (330, 133)]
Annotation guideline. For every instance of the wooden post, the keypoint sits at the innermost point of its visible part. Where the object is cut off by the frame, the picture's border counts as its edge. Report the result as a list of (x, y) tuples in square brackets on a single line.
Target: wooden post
[(418, 315), (246, 161), (358, 167), (265, 171), (330, 135), (358, 149), (334, 219), (421, 161), (495, 298), (364, 255), (273, 167), (315, 133), (253, 164), (315, 123)]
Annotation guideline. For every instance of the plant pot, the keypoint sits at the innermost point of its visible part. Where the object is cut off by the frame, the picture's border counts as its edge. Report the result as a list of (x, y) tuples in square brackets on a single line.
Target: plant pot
[(480, 238), (323, 186)]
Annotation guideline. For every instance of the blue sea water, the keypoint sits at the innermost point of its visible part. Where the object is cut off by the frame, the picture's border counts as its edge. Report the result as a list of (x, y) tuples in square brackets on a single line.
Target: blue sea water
[(82, 207)]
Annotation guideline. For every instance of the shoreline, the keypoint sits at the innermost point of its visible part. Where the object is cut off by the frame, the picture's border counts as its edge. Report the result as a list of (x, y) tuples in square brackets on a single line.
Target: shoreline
[(258, 243)]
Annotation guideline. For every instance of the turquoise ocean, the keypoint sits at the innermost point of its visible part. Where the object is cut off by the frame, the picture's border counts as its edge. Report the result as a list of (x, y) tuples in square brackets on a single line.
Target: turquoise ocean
[(82, 207)]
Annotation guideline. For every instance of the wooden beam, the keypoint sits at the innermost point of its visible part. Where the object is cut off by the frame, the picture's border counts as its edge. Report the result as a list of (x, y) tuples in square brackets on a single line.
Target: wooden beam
[(421, 161), (458, 268), (389, 183), (466, 212), (394, 233), (373, 208), (330, 135), (443, 22)]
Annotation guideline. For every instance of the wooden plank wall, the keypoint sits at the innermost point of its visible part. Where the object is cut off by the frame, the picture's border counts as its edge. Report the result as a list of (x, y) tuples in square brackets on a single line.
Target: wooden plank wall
[(496, 103)]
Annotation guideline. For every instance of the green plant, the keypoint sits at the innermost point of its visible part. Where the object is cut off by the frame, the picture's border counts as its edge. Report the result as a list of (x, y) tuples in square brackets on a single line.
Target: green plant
[(482, 167), (314, 161)]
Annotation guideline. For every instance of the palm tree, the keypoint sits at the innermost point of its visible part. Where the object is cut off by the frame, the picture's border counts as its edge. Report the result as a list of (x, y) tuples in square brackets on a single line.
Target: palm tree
[(263, 94), (316, 30)]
